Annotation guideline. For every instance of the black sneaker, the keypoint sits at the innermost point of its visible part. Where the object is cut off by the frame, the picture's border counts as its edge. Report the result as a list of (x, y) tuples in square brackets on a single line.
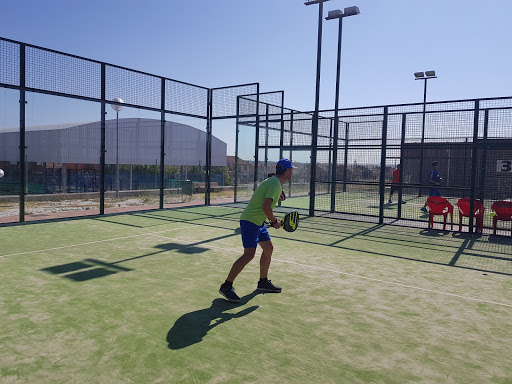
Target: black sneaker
[(267, 286), (229, 293)]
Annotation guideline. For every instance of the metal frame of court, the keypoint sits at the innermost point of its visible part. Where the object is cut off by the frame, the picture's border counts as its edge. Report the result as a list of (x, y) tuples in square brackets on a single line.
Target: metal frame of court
[(470, 134), (471, 138)]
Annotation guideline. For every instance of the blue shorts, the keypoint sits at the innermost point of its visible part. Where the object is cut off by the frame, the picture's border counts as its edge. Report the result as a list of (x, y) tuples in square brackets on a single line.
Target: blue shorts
[(435, 192), (253, 234)]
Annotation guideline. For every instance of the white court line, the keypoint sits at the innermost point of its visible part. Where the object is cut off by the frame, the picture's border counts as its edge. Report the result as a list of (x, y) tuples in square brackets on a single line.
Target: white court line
[(96, 242), (368, 278)]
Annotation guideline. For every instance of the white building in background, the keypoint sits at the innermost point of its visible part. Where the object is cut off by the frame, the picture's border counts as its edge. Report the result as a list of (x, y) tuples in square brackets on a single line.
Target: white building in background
[(139, 143)]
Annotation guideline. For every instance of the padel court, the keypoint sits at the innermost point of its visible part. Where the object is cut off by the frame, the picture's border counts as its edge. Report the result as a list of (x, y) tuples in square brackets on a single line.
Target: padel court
[(134, 298)]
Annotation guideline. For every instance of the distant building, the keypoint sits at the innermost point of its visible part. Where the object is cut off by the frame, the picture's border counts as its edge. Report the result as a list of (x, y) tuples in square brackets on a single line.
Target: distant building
[(139, 143)]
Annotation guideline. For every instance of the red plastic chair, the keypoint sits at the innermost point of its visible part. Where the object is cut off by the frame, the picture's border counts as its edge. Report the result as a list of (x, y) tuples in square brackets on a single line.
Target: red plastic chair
[(502, 211), (439, 206), (463, 205)]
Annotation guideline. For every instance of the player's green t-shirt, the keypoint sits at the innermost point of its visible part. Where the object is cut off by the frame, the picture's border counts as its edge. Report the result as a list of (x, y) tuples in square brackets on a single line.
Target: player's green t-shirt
[(269, 188)]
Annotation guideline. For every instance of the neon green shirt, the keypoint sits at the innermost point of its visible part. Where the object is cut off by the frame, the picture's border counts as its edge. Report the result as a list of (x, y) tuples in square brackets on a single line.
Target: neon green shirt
[(269, 188)]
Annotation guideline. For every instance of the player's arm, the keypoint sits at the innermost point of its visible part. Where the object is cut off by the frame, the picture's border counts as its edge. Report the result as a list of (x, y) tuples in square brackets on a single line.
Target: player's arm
[(432, 181), (267, 208)]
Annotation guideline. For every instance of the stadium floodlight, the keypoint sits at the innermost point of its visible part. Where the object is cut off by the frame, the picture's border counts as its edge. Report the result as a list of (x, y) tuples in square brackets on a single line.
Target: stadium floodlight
[(117, 108), (338, 14), (351, 11), (421, 76), (314, 123), (335, 14)]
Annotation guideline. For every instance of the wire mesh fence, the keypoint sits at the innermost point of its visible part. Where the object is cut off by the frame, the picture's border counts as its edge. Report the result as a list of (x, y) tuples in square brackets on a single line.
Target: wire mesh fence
[(379, 167), (79, 134)]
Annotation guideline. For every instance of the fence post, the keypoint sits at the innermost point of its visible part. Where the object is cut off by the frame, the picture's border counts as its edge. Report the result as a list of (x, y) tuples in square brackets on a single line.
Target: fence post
[(208, 148), (102, 142), (484, 157), (334, 161), (401, 168), (345, 158), (291, 151), (257, 141), (162, 143), (266, 140), (473, 166), (22, 147), (237, 129), (281, 135), (383, 165)]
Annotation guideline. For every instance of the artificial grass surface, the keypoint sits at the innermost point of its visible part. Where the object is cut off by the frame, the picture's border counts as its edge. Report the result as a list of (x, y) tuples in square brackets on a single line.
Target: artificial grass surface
[(137, 302)]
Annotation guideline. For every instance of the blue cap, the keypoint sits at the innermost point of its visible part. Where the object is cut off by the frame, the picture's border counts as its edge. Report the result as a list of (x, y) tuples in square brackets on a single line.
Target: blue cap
[(284, 164)]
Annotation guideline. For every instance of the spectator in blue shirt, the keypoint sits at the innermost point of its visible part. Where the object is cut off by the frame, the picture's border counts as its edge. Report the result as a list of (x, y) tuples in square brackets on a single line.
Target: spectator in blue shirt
[(435, 180)]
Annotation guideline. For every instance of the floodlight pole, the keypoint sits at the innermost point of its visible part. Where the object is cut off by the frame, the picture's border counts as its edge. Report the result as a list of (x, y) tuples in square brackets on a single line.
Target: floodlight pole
[(423, 127), (336, 120), (314, 125), (337, 15)]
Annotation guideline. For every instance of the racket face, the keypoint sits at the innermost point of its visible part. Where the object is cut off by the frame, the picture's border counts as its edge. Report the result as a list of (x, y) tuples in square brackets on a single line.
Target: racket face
[(291, 221)]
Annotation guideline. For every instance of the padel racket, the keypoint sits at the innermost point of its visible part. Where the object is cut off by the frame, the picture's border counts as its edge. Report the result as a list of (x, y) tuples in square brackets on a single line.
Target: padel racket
[(290, 221)]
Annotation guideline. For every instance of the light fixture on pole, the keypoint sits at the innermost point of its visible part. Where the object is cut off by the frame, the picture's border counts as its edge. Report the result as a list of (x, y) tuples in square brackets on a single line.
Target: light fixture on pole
[(423, 76), (314, 123), (338, 14), (117, 107)]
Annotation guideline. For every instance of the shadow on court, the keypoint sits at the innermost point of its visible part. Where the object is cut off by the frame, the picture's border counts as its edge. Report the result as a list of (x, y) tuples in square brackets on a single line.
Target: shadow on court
[(89, 269), (192, 327), (479, 255)]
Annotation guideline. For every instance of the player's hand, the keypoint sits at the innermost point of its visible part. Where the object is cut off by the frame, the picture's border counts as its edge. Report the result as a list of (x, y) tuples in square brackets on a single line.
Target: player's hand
[(276, 224)]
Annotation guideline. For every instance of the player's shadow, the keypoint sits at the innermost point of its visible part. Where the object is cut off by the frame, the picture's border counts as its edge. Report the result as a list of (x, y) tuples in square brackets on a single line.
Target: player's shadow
[(192, 327)]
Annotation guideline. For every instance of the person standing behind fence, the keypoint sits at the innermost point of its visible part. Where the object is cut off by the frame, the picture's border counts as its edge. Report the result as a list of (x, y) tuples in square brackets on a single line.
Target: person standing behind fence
[(394, 183), (435, 180)]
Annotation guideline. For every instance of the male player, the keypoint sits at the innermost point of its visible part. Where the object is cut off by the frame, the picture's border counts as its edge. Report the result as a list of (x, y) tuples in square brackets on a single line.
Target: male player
[(394, 183), (254, 232), (434, 180)]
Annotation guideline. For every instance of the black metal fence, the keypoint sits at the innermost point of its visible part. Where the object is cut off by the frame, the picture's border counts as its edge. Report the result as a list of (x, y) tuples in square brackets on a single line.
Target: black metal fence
[(141, 140), (471, 139), (77, 134)]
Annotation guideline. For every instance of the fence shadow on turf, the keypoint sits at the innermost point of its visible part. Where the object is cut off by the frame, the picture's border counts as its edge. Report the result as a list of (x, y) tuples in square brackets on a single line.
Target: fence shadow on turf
[(192, 327), (488, 254), (89, 269)]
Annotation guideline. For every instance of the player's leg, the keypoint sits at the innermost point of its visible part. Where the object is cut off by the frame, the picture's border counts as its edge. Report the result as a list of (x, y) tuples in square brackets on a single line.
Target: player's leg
[(250, 233), (266, 257), (265, 285), (240, 263)]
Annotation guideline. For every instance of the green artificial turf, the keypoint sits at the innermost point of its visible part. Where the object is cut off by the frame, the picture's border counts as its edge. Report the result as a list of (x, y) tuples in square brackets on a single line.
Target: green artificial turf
[(133, 298)]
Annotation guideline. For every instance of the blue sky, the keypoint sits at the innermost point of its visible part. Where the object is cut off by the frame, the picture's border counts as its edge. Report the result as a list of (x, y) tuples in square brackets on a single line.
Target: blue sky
[(273, 42)]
